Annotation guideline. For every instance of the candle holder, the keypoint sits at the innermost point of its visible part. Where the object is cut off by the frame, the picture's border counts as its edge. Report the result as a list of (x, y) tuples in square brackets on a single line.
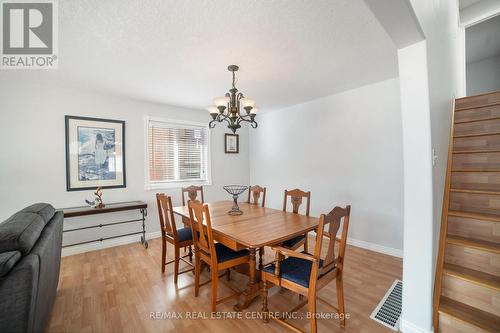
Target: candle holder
[(235, 191)]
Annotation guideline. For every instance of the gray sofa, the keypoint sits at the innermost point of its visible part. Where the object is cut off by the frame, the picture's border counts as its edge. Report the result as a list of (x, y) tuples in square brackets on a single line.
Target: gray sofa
[(30, 256)]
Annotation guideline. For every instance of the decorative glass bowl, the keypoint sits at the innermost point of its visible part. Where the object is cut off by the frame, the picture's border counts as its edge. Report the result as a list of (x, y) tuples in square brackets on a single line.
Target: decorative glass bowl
[(235, 191)]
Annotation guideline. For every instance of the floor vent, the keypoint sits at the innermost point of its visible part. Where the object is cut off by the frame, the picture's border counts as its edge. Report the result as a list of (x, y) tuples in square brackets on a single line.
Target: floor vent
[(388, 310)]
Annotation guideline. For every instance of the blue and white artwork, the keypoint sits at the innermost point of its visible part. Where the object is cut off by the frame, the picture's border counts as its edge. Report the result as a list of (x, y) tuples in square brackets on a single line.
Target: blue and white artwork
[(96, 154)]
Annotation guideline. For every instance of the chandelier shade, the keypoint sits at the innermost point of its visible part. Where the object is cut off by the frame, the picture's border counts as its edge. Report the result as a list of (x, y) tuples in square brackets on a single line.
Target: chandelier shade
[(228, 107)]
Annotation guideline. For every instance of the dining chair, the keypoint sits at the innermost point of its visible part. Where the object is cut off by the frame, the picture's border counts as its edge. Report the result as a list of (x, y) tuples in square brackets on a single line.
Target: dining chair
[(192, 192), (255, 192), (296, 197), (179, 238), (306, 273), (217, 256)]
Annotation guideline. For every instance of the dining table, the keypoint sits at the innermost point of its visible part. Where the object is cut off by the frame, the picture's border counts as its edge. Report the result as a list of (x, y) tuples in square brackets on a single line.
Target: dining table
[(256, 228)]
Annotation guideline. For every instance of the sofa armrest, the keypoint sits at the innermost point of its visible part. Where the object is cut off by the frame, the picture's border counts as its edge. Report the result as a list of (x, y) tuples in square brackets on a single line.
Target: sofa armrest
[(8, 260), (18, 292)]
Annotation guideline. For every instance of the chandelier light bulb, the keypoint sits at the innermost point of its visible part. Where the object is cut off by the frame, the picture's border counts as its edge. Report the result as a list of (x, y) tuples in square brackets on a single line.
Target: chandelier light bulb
[(212, 110), (247, 102), (221, 101), (254, 110)]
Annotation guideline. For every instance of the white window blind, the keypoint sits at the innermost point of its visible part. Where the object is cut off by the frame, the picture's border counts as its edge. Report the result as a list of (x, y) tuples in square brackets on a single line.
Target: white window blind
[(177, 153)]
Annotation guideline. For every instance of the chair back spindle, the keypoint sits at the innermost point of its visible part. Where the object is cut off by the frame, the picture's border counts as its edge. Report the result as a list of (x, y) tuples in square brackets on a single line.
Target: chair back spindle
[(166, 215), (202, 237), (192, 193), (255, 192), (335, 220), (296, 199)]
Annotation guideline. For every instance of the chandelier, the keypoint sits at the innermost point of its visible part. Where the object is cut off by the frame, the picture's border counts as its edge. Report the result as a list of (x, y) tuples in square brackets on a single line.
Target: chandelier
[(228, 108)]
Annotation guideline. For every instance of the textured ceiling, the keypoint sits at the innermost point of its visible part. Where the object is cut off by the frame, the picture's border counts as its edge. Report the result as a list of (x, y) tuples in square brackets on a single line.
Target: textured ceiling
[(177, 51), (482, 40)]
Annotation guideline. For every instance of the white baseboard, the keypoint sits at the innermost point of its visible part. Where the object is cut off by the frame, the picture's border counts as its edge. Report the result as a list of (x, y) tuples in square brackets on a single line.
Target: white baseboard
[(375, 247), (69, 251), (409, 327)]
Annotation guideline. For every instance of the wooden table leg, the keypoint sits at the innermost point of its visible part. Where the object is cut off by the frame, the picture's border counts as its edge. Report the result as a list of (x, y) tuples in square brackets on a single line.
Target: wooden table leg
[(252, 290)]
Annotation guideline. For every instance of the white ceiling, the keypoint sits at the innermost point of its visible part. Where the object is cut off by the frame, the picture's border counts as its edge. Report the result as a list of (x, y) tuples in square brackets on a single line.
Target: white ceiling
[(177, 51), (482, 40)]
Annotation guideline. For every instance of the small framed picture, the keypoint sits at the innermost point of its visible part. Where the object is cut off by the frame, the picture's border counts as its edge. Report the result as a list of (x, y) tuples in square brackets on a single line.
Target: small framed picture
[(232, 143), (95, 153)]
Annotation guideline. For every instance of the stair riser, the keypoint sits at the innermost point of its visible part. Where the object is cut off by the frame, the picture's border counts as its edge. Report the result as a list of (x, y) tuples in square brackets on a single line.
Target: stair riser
[(475, 101), (476, 114), (480, 297), (478, 260), (476, 229), (475, 203), (481, 127), (449, 324), (490, 142), (489, 181), (476, 161)]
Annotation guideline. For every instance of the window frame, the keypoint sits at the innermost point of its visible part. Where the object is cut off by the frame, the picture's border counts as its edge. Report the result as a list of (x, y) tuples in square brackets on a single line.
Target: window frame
[(148, 185)]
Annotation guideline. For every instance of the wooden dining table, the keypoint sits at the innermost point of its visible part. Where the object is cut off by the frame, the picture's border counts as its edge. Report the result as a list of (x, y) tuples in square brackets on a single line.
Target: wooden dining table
[(255, 228)]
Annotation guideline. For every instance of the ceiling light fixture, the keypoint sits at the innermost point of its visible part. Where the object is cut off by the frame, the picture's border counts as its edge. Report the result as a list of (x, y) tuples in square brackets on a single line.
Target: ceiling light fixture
[(228, 108)]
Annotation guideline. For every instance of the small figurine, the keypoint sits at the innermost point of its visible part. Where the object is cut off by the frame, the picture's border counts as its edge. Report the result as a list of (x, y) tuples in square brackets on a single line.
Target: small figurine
[(97, 203)]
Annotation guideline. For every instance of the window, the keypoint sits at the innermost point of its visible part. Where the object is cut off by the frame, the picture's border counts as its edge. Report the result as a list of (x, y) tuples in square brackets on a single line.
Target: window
[(177, 153)]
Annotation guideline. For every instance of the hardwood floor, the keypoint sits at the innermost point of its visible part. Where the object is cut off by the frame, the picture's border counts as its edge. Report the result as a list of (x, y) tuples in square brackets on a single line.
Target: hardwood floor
[(119, 289)]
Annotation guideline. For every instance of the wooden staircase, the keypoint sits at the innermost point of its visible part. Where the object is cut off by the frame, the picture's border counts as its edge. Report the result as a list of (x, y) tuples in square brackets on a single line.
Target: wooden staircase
[(467, 286)]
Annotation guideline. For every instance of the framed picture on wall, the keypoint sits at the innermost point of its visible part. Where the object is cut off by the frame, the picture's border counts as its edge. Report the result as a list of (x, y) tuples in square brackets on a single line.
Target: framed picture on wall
[(232, 143), (95, 153)]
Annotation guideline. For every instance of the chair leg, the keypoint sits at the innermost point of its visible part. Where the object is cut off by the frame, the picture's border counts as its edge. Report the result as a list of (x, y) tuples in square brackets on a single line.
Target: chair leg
[(265, 310), (190, 254), (340, 299), (215, 281), (176, 264), (163, 255), (261, 254), (311, 307), (228, 275), (197, 272)]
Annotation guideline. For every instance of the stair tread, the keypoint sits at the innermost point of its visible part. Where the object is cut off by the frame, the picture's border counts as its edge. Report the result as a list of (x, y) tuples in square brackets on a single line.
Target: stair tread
[(465, 190), (475, 216), (469, 314), (472, 135), (477, 151), (479, 106), (475, 170), (474, 243), (475, 120), (477, 277)]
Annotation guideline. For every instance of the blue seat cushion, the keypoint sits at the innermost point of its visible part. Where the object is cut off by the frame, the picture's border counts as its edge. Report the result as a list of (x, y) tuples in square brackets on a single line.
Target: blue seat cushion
[(184, 234), (292, 241), (295, 269), (224, 253)]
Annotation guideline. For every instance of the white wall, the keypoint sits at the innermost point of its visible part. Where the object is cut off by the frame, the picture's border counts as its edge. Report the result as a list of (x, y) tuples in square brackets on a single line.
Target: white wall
[(344, 148), (418, 197), (439, 21), (32, 162), (483, 76)]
